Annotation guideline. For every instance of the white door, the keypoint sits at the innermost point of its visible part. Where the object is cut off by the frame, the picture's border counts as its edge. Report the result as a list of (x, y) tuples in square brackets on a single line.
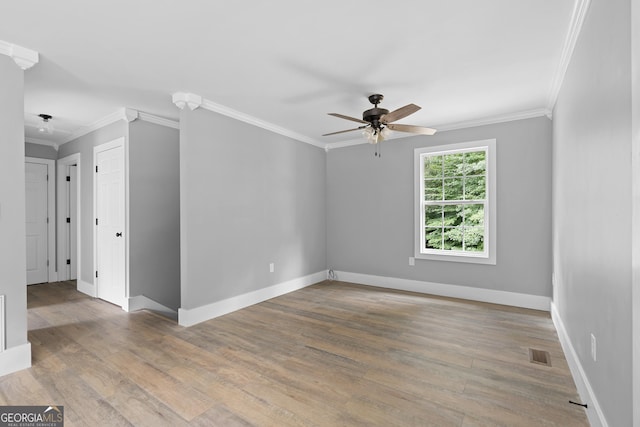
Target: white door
[(73, 226), (72, 222), (36, 222), (110, 222)]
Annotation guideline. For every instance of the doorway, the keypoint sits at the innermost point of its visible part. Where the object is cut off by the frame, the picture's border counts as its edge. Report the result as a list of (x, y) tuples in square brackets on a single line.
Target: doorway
[(40, 220), (69, 219), (109, 230)]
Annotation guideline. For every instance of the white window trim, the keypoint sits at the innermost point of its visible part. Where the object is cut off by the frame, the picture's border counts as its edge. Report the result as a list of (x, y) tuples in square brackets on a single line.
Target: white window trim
[(489, 256)]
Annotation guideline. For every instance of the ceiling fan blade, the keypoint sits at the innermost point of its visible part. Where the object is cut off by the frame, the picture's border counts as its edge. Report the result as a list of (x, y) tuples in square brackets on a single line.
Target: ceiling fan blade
[(400, 113), (342, 116), (411, 129), (344, 131)]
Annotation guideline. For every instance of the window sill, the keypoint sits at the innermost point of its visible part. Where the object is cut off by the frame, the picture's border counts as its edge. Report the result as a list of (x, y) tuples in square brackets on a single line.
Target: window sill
[(467, 259)]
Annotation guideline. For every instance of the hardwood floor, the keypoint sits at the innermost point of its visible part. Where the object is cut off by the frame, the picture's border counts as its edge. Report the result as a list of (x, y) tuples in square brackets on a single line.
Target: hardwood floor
[(332, 354)]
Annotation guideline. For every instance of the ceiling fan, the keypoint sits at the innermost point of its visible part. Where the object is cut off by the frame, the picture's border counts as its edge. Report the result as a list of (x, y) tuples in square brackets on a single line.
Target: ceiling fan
[(377, 122)]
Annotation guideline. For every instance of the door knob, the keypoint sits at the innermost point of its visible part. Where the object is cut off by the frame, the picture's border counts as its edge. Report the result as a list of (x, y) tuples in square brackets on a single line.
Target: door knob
[(118, 234)]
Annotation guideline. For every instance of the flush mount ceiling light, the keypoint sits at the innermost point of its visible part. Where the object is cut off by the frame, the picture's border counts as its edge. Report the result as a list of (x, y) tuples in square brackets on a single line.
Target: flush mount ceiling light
[(46, 125)]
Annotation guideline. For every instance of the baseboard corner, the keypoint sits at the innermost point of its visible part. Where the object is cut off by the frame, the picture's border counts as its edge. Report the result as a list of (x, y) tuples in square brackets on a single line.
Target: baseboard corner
[(86, 288), (15, 359), (593, 411), (190, 317)]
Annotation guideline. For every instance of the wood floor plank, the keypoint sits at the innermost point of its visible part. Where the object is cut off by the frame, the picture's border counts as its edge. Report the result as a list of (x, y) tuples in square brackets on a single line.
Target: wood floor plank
[(331, 354)]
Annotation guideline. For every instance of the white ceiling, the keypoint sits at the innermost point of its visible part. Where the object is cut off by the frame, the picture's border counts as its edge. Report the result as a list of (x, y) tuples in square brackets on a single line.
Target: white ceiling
[(288, 62)]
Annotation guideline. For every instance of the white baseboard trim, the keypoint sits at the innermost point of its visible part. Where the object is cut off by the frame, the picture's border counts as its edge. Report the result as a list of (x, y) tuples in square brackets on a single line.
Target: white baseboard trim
[(87, 288), (594, 412), (15, 359), (141, 302), (535, 302), (190, 317)]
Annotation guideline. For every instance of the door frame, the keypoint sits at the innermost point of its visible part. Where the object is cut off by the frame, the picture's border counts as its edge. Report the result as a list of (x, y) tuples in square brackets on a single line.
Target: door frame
[(119, 142), (52, 270), (73, 159)]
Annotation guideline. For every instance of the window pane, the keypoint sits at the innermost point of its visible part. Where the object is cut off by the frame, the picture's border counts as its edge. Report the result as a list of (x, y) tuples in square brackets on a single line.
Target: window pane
[(453, 239), (475, 163), (433, 238), (433, 166), (433, 216), (474, 239), (452, 215), (474, 215), (453, 188), (453, 164), (433, 189), (475, 188)]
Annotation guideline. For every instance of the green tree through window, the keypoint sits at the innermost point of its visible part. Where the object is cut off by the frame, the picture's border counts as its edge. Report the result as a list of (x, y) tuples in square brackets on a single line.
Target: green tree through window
[(455, 200)]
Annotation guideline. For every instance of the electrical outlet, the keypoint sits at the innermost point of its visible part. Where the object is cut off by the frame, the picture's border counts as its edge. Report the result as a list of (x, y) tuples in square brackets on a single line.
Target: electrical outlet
[(272, 267), (593, 347), (412, 261)]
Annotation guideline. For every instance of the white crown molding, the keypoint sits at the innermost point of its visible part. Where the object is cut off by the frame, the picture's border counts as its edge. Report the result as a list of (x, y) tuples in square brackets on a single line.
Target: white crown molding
[(42, 142), (575, 26), (141, 115), (158, 120), (194, 101), (221, 109), (183, 99), (130, 114), (457, 125), (503, 118), (23, 57), (120, 114), (127, 114)]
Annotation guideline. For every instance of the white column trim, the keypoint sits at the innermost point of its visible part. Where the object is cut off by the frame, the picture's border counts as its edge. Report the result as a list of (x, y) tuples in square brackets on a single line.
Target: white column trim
[(23, 57)]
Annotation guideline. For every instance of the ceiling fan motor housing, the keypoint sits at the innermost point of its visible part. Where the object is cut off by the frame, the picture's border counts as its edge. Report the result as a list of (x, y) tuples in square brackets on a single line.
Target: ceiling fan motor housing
[(373, 116)]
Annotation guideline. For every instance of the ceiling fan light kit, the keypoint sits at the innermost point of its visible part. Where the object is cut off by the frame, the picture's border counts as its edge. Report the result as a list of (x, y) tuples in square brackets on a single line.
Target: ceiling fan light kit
[(378, 122)]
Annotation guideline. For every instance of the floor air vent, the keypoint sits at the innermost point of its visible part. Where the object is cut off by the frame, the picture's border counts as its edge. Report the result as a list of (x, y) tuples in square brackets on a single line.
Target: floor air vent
[(540, 357)]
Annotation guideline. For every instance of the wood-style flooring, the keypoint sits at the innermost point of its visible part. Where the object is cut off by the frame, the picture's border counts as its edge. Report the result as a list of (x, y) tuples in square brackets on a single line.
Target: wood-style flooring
[(332, 354)]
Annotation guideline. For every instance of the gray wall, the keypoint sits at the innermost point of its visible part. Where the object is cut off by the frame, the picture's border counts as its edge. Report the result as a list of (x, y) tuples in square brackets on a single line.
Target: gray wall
[(13, 279), (154, 213), (592, 204), (40, 151), (84, 145), (248, 197), (370, 210)]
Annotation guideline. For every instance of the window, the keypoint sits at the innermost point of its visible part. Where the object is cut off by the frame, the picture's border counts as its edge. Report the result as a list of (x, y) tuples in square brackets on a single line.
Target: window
[(455, 202)]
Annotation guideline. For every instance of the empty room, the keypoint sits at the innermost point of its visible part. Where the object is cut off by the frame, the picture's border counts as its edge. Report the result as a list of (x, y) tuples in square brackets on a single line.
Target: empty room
[(364, 213)]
